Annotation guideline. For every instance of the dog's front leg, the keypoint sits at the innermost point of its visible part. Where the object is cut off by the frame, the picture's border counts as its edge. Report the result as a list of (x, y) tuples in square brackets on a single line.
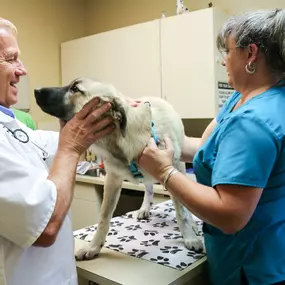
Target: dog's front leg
[(112, 190), (143, 212)]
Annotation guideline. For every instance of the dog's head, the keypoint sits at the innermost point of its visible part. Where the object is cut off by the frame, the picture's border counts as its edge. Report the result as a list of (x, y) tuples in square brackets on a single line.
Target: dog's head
[(64, 102)]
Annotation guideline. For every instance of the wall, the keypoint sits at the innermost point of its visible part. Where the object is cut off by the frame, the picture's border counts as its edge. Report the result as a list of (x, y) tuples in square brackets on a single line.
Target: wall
[(42, 26), (104, 15)]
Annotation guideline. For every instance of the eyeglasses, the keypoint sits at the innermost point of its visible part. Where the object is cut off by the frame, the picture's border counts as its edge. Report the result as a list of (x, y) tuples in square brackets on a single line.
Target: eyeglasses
[(226, 52)]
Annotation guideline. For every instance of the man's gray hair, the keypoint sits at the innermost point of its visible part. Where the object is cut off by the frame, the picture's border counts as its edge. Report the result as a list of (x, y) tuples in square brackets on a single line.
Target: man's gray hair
[(6, 24), (265, 28)]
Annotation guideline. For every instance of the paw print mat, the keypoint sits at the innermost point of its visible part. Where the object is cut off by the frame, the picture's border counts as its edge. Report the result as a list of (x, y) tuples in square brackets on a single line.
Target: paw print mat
[(156, 239)]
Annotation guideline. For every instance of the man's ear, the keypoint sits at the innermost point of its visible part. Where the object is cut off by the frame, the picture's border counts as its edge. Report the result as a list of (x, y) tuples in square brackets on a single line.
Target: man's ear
[(120, 114)]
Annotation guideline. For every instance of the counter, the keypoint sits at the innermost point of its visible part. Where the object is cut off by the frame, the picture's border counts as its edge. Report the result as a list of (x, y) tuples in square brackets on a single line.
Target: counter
[(115, 267)]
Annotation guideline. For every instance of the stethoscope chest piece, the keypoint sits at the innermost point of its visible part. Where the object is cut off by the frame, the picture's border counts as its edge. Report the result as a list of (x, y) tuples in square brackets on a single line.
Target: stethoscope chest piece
[(21, 136)]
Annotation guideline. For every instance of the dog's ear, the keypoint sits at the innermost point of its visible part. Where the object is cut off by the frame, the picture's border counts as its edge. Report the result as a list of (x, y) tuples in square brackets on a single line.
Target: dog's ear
[(120, 115)]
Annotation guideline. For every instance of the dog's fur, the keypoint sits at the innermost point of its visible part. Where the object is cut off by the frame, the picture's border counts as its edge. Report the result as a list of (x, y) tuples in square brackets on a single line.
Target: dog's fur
[(119, 148)]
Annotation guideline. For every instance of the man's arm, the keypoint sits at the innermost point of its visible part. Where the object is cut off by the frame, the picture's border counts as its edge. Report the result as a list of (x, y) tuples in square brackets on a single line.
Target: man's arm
[(62, 173), (75, 137)]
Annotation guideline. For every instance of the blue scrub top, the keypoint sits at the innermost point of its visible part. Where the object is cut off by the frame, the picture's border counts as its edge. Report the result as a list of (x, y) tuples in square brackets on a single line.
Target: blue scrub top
[(247, 148)]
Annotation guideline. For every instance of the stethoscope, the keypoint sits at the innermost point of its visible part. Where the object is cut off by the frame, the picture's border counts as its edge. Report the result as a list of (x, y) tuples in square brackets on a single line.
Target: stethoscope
[(23, 137)]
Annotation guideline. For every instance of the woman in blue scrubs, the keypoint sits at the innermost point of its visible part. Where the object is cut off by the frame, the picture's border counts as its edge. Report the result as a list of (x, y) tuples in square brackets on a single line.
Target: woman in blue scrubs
[(240, 160)]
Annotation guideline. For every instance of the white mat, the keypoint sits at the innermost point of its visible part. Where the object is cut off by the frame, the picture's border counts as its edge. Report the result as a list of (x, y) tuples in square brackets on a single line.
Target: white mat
[(157, 239)]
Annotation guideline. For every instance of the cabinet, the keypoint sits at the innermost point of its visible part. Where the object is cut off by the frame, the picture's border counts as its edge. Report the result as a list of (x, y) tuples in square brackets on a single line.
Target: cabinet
[(88, 197), (191, 63), (129, 58), (174, 58)]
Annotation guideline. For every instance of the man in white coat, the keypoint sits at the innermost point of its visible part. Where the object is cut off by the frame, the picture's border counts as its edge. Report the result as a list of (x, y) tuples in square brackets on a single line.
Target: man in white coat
[(36, 182)]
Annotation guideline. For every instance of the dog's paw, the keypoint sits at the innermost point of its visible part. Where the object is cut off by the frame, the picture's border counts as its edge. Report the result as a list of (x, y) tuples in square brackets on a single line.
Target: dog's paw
[(87, 253), (194, 244), (143, 213)]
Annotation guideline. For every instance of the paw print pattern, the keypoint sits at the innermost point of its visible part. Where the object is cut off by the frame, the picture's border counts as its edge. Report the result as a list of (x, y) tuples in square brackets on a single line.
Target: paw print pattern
[(91, 229), (112, 232), (169, 210), (170, 249), (176, 229), (154, 208), (127, 216), (126, 238), (149, 232), (182, 265), (161, 260), (150, 242), (137, 253), (160, 225), (195, 255), (116, 224), (133, 227), (116, 247), (174, 220), (172, 236), (81, 236), (144, 221), (162, 216)]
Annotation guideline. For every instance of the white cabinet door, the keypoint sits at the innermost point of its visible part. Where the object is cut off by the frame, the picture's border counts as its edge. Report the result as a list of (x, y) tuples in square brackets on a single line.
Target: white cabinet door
[(129, 58), (189, 63)]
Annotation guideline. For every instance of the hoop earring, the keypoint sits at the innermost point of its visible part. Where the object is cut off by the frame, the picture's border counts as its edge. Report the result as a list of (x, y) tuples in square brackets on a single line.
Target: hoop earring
[(250, 68)]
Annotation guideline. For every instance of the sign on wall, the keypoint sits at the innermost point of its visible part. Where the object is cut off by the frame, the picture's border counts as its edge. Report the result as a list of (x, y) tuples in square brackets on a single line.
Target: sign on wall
[(224, 92)]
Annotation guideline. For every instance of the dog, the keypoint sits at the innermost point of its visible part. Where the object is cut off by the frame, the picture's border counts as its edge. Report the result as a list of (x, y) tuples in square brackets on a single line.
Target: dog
[(134, 128)]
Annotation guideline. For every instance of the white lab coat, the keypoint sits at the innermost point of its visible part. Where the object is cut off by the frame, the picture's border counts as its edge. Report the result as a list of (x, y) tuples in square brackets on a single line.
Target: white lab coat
[(27, 201)]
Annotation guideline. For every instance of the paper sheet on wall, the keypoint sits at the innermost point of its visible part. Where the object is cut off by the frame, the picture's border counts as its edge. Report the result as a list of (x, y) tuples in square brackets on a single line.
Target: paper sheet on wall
[(224, 92)]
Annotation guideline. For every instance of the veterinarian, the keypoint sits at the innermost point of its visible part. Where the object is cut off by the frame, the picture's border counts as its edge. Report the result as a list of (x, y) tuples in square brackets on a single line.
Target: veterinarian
[(36, 239), (239, 161)]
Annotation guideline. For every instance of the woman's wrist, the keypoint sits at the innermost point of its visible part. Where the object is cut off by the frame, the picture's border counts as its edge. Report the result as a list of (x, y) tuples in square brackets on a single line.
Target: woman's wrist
[(165, 174), (171, 171)]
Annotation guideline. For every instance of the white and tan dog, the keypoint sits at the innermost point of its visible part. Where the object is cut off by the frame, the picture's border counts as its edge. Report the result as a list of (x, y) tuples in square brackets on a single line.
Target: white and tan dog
[(121, 147)]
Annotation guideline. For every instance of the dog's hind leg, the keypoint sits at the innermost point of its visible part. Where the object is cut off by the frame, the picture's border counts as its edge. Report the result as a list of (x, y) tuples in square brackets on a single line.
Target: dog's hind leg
[(143, 212), (112, 190), (186, 223)]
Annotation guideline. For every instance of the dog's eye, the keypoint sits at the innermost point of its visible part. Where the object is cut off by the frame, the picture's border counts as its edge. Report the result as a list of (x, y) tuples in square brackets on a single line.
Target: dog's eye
[(74, 89)]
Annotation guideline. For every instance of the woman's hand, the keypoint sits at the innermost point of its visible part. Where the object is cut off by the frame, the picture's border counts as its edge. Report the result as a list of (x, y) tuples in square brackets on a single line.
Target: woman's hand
[(156, 161), (132, 102), (85, 128)]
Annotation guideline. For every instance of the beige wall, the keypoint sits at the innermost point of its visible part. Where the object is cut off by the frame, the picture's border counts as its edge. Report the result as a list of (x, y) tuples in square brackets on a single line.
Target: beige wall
[(104, 15), (42, 26)]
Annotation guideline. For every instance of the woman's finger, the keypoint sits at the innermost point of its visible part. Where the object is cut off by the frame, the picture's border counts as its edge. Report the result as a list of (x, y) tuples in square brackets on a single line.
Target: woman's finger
[(151, 143), (168, 142)]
